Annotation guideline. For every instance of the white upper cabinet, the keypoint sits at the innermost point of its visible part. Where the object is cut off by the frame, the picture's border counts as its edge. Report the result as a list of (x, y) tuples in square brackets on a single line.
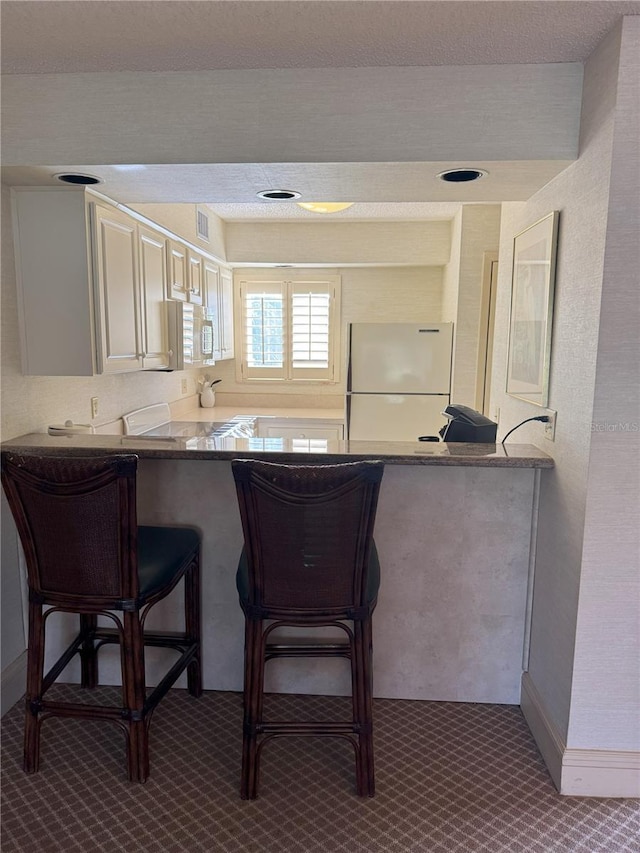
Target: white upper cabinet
[(55, 284), (226, 312), (93, 284), (178, 271), (119, 325), (196, 263), (152, 254), (218, 291), (211, 280)]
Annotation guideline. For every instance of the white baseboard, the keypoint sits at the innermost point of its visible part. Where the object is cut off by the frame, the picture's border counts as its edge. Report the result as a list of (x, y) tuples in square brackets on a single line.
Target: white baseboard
[(579, 772), (601, 773), (12, 685)]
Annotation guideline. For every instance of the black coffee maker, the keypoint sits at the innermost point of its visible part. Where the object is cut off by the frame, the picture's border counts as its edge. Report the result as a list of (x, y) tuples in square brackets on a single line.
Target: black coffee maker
[(465, 424)]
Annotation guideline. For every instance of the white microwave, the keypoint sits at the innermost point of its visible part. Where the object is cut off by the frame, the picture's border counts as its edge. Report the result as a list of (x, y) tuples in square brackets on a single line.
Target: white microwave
[(190, 335)]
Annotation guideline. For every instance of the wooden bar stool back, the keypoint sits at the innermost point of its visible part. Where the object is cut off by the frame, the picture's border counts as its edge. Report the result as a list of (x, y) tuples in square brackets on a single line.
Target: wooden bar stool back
[(85, 554), (309, 560)]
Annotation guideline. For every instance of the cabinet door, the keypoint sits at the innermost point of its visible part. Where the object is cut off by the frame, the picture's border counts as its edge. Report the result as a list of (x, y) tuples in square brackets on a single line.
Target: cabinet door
[(152, 251), (211, 279), (195, 278), (178, 271), (116, 267), (56, 322), (226, 313)]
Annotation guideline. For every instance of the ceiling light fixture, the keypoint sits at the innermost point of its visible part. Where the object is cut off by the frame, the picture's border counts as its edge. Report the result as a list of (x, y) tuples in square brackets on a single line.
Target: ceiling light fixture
[(324, 206), (278, 195), (460, 176)]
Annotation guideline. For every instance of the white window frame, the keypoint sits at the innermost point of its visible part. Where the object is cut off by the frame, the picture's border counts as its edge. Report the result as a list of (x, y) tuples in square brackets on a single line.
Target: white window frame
[(287, 285)]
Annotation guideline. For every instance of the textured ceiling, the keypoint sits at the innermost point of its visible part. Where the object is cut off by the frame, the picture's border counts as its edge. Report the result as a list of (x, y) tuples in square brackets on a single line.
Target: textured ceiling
[(51, 36), (393, 191), (119, 35)]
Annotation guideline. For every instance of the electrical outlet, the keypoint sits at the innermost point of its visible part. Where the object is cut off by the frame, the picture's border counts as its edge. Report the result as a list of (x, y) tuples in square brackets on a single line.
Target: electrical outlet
[(94, 407), (185, 386), (550, 426), (496, 415)]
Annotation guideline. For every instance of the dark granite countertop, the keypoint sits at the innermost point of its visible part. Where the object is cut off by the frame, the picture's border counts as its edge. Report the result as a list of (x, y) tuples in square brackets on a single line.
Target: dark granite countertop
[(287, 450)]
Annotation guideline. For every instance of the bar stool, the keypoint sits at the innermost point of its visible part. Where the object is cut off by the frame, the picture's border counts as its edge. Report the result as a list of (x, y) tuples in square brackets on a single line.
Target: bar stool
[(85, 554), (309, 560)]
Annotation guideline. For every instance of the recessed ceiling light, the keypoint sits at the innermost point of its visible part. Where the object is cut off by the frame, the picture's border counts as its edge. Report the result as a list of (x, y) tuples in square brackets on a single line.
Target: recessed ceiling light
[(324, 206), (460, 176), (278, 195), (78, 179)]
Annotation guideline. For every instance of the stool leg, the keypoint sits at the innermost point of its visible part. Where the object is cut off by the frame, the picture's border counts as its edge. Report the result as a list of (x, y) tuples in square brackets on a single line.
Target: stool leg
[(88, 653), (133, 695), (367, 737), (193, 624), (365, 780), (356, 702), (253, 679), (35, 674)]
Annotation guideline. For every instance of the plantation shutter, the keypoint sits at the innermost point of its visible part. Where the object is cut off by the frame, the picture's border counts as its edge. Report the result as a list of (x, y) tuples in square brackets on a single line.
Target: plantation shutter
[(311, 330), (264, 330), (289, 329)]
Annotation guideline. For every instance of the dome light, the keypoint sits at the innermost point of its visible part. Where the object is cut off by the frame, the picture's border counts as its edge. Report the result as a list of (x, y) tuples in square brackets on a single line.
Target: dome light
[(325, 206)]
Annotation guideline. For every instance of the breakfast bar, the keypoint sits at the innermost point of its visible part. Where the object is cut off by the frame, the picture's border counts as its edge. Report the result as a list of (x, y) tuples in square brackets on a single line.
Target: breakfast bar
[(455, 531)]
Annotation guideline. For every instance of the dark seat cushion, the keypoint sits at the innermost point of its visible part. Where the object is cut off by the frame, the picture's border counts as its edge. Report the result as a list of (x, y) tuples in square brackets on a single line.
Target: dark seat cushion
[(373, 578), (162, 553)]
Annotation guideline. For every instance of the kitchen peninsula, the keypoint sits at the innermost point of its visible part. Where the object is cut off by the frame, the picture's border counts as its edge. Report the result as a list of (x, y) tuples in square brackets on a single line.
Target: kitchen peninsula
[(455, 528)]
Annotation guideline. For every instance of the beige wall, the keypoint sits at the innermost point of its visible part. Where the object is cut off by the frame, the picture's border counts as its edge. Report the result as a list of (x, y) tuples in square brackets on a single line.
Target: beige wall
[(391, 243), (479, 232), (606, 675), (451, 272), (583, 661)]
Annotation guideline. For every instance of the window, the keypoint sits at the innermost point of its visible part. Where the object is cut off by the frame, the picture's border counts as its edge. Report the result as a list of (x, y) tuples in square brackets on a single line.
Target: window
[(289, 329)]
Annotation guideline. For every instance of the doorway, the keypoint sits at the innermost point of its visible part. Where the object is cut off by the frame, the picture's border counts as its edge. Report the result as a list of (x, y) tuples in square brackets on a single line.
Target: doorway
[(485, 337)]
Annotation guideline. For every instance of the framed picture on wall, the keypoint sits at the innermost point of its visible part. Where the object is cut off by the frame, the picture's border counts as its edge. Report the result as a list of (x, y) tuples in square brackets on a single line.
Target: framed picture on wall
[(532, 285)]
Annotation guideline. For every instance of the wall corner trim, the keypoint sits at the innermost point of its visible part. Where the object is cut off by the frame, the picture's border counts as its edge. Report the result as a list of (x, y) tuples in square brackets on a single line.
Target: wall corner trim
[(13, 681), (578, 772), (546, 735)]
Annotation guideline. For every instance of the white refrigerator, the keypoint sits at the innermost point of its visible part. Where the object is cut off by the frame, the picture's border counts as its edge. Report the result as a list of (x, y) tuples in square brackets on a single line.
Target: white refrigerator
[(398, 380)]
